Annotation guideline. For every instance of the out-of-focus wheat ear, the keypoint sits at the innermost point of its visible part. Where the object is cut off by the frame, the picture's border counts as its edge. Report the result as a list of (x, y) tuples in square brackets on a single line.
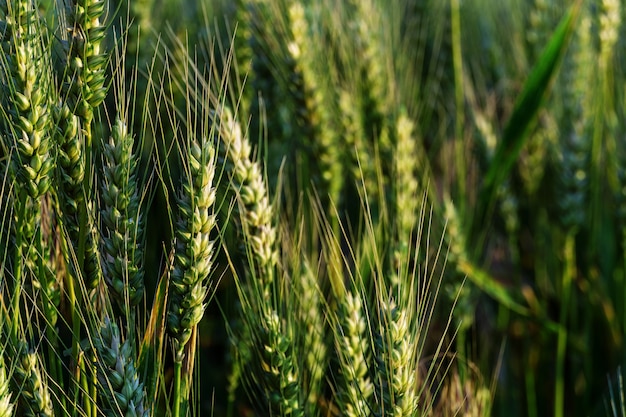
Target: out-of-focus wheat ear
[(26, 96), (313, 330), (407, 185), (396, 365), (6, 406), (354, 387), (122, 256), (463, 396), (193, 258), (375, 65), (319, 104), (573, 184), (120, 390), (610, 22), (542, 20), (362, 166), (254, 208), (30, 383)]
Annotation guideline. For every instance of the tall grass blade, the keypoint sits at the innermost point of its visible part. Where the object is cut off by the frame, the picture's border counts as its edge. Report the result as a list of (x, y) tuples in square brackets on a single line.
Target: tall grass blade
[(526, 107)]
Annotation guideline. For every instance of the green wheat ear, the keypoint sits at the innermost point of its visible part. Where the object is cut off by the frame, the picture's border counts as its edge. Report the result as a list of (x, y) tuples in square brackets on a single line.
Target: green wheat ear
[(123, 224), (355, 388), (193, 257), (119, 387), (26, 87), (34, 396)]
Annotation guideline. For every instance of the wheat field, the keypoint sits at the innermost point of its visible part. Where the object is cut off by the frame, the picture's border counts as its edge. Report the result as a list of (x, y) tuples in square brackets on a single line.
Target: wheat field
[(312, 208)]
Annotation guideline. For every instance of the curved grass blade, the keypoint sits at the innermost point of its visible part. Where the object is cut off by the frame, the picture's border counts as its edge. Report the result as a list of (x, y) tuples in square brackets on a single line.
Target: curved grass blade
[(526, 107)]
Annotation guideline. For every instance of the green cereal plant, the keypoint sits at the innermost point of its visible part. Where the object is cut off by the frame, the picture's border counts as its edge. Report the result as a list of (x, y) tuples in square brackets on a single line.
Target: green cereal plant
[(86, 60), (119, 384), (276, 367), (122, 221), (313, 339), (194, 246)]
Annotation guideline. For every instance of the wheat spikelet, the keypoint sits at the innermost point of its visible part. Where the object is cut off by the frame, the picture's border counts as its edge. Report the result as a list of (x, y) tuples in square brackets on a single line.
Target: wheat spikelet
[(119, 386), (122, 220)]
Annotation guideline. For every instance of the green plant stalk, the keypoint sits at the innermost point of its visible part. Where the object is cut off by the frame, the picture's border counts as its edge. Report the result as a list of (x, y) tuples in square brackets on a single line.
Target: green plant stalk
[(569, 270), (17, 265), (55, 365), (75, 317), (177, 395)]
